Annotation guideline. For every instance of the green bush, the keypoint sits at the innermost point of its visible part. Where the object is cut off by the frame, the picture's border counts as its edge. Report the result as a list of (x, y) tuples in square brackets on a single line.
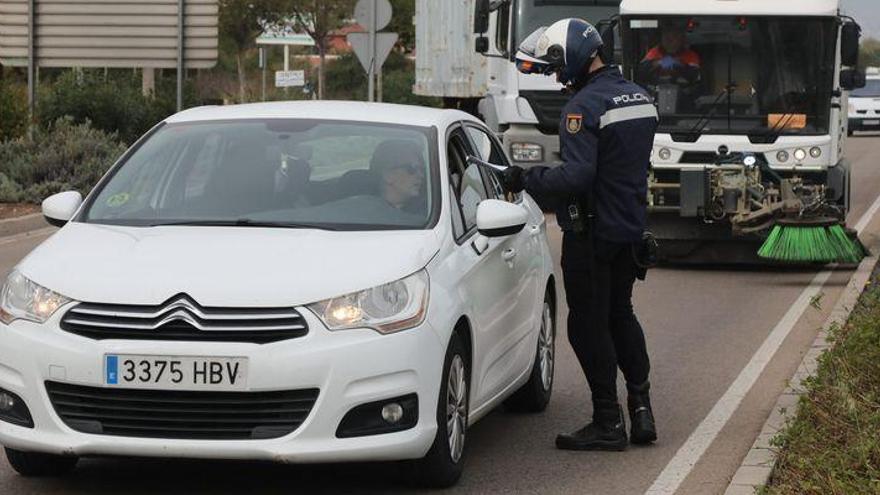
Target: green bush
[(13, 111), (112, 102), (65, 156)]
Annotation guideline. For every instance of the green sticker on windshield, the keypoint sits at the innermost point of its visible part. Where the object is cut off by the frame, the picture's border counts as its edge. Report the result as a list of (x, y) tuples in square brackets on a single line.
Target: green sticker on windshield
[(118, 200)]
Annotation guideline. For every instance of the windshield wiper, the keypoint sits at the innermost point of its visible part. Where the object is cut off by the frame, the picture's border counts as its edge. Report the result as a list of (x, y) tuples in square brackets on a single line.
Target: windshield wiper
[(706, 118), (241, 222)]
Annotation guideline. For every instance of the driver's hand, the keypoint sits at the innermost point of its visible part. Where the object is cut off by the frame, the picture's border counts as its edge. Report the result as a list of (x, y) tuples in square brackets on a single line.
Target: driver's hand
[(668, 62)]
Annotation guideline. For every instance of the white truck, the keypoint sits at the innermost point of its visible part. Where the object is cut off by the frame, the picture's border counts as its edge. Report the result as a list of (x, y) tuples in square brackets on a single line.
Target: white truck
[(474, 71), (752, 97), (864, 104)]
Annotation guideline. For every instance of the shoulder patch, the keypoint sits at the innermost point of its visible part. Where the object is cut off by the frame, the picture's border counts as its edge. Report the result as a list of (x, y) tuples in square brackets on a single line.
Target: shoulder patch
[(574, 122)]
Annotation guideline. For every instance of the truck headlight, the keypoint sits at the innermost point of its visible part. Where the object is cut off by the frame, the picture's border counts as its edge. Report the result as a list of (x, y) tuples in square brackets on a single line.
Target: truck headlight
[(800, 154), (782, 156), (21, 299), (816, 152), (388, 308), (664, 154), (527, 152)]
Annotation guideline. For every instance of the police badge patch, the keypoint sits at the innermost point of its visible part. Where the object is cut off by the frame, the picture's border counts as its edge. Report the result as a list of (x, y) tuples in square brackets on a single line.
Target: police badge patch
[(573, 122)]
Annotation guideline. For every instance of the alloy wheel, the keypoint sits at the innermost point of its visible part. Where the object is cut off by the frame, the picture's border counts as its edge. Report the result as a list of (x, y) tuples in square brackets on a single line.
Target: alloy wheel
[(456, 407)]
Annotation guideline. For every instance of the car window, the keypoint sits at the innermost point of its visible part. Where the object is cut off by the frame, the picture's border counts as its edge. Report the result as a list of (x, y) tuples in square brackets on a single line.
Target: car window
[(472, 189), (488, 149), (331, 174)]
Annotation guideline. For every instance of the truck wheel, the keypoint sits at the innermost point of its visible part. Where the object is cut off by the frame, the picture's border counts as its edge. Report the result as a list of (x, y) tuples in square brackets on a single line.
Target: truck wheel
[(443, 465), (35, 464), (535, 394)]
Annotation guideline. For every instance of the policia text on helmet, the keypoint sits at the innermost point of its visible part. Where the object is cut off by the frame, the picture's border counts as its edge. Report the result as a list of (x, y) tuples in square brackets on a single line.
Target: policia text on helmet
[(599, 194)]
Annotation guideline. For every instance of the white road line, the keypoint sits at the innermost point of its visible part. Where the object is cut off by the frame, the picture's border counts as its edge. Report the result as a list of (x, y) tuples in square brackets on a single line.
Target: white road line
[(678, 468)]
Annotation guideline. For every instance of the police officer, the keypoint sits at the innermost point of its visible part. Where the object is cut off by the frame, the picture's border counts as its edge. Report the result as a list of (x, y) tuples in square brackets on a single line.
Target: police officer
[(600, 197)]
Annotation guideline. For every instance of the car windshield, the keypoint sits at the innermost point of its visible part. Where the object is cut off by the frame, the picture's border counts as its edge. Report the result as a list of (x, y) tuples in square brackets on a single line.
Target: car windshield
[(533, 14), (871, 90), (735, 75), (294, 173)]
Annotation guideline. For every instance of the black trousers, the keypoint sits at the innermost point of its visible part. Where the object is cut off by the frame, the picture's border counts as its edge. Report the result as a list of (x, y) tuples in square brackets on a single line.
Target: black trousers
[(602, 327)]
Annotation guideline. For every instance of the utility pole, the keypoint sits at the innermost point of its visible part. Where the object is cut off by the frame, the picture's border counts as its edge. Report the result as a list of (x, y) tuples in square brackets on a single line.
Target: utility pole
[(371, 90)]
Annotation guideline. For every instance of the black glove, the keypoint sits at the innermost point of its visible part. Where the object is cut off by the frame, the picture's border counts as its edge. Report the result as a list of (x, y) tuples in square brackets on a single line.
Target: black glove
[(513, 179)]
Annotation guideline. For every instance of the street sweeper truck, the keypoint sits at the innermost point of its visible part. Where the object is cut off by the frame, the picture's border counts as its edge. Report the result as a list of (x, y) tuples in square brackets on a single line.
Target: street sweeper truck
[(752, 97)]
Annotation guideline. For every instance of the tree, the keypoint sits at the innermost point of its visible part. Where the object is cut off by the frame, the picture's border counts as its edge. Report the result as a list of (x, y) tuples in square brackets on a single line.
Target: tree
[(402, 22), (241, 21), (318, 18)]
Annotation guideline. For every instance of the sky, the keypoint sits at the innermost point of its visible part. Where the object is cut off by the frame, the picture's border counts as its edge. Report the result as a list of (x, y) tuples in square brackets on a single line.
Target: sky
[(867, 13)]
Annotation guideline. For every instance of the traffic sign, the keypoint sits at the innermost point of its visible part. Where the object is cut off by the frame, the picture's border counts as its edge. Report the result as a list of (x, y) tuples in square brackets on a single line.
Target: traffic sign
[(290, 78), (363, 13), (360, 42)]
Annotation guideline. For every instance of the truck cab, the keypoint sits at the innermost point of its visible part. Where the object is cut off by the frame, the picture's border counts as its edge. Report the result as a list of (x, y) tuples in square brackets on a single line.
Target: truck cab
[(751, 97)]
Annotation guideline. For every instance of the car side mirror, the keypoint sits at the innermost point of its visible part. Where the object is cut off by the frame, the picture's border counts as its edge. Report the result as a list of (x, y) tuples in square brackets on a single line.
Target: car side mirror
[(496, 218), (849, 44), (851, 79), (59, 208)]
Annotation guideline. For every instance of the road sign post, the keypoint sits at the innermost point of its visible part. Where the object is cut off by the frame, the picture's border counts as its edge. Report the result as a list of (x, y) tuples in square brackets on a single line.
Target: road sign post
[(372, 48)]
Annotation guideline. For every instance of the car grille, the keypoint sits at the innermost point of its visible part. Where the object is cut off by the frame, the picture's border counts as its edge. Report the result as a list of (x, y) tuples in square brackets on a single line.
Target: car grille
[(181, 318), (547, 106), (179, 414)]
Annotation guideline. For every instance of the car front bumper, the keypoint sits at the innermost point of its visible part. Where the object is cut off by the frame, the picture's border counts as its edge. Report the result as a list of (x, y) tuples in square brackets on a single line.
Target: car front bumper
[(349, 368), (864, 123)]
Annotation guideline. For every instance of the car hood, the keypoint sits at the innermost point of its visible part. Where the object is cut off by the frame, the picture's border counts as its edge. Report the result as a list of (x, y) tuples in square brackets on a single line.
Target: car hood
[(222, 266), (860, 103)]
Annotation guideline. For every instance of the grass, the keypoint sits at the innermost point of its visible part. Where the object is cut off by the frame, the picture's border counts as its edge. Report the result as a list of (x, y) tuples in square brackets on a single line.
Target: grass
[(833, 444)]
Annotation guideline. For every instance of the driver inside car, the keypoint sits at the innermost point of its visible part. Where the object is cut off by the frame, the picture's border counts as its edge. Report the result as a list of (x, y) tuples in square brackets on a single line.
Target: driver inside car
[(401, 171)]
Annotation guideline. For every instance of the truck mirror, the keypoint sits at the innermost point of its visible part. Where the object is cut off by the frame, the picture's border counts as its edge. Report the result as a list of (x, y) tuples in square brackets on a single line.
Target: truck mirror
[(849, 44), (481, 17), (851, 79), (607, 31), (482, 45)]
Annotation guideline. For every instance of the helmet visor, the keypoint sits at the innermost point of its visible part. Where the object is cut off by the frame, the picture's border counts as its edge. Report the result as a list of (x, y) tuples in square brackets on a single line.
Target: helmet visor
[(526, 61)]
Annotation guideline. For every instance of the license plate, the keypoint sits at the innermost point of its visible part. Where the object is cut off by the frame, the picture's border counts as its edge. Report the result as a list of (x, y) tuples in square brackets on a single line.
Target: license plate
[(871, 122), (175, 372)]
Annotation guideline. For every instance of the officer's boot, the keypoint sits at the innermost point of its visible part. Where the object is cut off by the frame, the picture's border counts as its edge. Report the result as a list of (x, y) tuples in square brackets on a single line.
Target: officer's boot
[(606, 432), (641, 417)]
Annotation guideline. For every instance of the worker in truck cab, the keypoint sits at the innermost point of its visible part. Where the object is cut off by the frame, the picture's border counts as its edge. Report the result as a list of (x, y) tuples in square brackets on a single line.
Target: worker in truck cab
[(672, 60), (599, 194)]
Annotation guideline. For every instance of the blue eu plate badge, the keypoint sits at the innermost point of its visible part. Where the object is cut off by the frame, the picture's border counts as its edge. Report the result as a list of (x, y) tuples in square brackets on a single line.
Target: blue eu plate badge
[(112, 370)]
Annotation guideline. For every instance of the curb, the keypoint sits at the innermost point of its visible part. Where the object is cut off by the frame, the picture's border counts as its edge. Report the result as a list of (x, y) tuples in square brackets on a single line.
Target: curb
[(757, 466), (20, 225)]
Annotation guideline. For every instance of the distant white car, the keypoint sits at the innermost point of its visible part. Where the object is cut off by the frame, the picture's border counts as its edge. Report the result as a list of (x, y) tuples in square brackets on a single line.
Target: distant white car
[(293, 282), (864, 105)]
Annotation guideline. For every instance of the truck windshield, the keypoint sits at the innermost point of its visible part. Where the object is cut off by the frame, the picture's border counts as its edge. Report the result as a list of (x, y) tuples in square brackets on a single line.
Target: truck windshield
[(871, 90), (532, 14), (735, 75)]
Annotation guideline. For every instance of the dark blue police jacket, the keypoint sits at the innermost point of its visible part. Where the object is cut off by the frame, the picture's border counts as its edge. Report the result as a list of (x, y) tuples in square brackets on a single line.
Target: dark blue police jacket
[(606, 136)]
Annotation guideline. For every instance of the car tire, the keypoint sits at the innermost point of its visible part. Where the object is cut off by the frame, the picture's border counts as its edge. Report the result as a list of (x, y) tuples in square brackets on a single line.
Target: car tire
[(443, 464), (534, 396), (36, 464)]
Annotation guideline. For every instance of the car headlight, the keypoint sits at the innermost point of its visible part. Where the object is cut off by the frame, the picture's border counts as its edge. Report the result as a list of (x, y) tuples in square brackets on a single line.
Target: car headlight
[(21, 299), (388, 308), (527, 152)]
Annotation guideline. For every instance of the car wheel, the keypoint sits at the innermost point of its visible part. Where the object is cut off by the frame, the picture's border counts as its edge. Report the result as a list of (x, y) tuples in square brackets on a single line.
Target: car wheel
[(35, 464), (443, 464), (535, 394)]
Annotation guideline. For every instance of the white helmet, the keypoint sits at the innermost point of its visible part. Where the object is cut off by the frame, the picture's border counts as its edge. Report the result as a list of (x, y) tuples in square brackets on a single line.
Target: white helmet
[(567, 48)]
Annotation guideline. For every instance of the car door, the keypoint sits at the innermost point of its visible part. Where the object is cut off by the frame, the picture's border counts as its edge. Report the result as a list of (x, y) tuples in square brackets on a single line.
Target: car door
[(526, 295), (485, 278)]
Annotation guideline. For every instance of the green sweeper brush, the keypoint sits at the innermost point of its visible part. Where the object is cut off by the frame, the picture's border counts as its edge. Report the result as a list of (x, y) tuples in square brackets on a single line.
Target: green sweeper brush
[(811, 241)]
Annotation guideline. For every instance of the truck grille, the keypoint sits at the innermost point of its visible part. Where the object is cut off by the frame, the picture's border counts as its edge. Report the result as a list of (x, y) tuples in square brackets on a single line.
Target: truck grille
[(179, 414), (547, 106), (182, 319)]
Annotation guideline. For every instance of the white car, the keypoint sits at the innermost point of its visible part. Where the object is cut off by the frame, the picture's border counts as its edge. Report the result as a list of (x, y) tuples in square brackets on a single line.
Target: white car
[(864, 105), (291, 282)]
